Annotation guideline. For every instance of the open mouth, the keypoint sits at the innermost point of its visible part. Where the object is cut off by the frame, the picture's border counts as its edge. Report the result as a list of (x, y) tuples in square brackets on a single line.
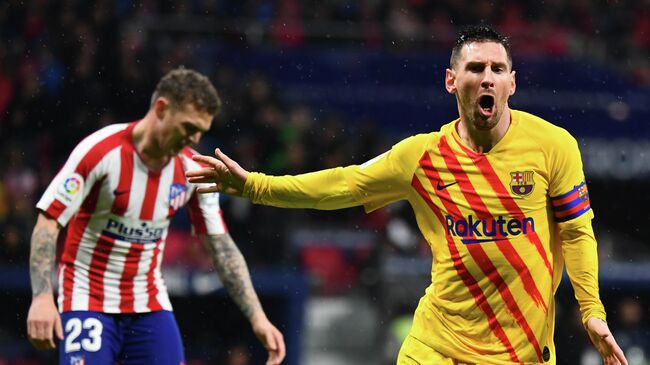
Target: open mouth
[(486, 104)]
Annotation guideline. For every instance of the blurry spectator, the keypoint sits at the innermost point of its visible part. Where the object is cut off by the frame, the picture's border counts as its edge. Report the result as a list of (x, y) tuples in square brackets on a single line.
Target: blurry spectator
[(15, 248), (632, 333), (238, 355), (287, 28), (20, 179)]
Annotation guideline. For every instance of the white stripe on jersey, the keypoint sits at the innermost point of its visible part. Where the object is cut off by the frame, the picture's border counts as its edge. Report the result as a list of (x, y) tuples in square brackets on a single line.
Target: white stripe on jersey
[(162, 296), (162, 200), (138, 187), (59, 299)]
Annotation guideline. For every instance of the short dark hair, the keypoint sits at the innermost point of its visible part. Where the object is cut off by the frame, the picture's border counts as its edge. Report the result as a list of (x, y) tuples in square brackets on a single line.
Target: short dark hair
[(478, 33), (184, 86)]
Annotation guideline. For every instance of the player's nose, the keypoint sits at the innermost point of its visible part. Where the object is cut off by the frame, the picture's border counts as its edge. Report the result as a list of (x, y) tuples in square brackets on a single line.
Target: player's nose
[(488, 78), (195, 138)]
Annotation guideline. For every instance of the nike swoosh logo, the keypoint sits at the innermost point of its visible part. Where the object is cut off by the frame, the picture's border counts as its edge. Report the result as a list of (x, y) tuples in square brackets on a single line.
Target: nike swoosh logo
[(443, 187), (119, 192)]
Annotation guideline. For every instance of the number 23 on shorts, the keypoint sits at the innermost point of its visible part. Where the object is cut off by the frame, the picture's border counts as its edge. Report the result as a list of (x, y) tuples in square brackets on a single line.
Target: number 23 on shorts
[(91, 343), (89, 338)]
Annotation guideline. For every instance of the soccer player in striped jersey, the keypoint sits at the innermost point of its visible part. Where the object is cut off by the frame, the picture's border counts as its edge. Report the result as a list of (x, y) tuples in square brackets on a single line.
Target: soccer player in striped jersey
[(116, 194), (499, 195)]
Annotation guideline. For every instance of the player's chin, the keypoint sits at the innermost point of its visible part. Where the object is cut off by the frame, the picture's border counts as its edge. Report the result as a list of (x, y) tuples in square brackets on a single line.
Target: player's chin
[(483, 123), (177, 148)]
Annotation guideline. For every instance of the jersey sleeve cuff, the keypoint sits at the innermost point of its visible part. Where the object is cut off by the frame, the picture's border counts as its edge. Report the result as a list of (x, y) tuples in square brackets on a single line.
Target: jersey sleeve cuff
[(252, 185), (595, 313)]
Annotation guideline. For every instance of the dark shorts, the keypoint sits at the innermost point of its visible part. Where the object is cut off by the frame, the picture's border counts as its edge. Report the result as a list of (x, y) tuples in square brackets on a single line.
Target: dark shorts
[(106, 339)]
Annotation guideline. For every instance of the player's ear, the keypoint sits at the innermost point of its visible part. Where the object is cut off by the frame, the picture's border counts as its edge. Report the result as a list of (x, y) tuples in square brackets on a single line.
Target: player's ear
[(161, 106), (450, 81), (513, 83)]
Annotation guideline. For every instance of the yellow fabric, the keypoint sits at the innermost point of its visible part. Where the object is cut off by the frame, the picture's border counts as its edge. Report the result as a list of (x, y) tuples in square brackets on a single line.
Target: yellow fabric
[(581, 260), (498, 252), (414, 352)]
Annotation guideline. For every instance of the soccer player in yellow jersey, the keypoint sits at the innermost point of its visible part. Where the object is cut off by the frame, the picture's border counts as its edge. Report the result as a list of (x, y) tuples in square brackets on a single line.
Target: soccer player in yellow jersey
[(500, 197)]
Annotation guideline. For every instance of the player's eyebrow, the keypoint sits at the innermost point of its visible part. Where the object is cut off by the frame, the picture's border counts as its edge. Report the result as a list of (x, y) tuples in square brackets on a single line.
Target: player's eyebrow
[(195, 126), (471, 64)]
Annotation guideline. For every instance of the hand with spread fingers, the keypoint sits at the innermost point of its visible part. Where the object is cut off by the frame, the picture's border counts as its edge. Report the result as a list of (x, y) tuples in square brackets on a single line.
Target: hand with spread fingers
[(226, 175), (604, 342)]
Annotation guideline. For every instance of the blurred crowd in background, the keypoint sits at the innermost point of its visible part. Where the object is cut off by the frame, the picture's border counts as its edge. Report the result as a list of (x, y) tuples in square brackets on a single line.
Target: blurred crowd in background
[(70, 67)]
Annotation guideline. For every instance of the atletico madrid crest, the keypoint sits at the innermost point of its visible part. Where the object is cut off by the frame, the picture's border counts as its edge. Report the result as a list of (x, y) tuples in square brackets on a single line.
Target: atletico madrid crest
[(177, 195), (521, 182), (78, 360)]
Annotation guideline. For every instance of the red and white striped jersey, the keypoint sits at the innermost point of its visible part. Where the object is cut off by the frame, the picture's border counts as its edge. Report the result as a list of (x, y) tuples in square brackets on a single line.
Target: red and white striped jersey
[(118, 212)]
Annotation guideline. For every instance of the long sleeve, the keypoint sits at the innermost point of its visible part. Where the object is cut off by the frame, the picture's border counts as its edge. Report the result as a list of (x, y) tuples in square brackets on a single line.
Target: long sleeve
[(572, 212), (325, 189), (581, 260), (374, 184)]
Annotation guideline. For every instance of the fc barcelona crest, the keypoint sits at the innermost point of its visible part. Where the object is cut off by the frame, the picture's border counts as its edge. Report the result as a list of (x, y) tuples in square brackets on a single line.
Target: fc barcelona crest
[(583, 194), (521, 182)]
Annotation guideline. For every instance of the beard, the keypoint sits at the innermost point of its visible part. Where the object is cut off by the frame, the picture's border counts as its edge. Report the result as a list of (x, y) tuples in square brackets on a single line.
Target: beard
[(478, 120), (482, 122), (482, 113)]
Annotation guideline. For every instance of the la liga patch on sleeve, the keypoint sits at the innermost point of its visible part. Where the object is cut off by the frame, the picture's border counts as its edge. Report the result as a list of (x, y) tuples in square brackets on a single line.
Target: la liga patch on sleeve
[(71, 187)]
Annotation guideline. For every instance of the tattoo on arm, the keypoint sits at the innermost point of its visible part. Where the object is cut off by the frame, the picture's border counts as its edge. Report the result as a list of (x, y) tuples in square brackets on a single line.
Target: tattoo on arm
[(232, 269), (42, 258)]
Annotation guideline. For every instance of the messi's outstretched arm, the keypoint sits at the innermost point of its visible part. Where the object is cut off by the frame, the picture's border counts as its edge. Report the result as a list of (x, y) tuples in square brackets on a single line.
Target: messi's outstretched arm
[(43, 320), (233, 272), (334, 188), (325, 189)]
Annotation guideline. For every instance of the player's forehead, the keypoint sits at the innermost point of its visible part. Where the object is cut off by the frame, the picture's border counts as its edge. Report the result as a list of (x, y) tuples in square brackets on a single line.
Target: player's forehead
[(201, 118), (483, 52)]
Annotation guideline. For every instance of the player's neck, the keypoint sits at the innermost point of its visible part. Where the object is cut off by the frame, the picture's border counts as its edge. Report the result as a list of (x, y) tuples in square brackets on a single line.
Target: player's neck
[(482, 141), (146, 144)]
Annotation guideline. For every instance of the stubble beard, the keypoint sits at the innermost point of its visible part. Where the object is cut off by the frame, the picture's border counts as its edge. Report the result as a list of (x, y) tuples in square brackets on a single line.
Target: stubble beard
[(482, 123)]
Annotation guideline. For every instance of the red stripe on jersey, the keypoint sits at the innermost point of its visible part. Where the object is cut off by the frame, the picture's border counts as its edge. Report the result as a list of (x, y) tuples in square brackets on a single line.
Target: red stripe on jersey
[(466, 276), (198, 221), (126, 281), (482, 211), (75, 232), (55, 209), (150, 194), (96, 271), (98, 151), (480, 160), (122, 192), (152, 289)]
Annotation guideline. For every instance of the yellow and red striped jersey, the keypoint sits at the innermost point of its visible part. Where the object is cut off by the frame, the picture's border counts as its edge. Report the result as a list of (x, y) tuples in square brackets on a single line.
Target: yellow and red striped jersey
[(500, 225)]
